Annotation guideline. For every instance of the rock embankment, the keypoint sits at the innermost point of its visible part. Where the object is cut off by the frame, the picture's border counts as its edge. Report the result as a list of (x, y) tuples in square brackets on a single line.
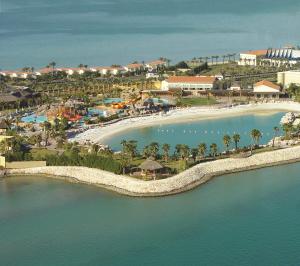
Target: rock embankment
[(187, 180)]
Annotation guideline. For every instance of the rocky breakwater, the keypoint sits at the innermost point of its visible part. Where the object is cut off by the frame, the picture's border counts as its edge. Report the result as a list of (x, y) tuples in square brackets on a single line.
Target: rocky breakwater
[(184, 181)]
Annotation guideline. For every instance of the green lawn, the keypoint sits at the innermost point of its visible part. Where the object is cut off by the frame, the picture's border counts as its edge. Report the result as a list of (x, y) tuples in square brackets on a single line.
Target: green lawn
[(198, 101), (41, 153)]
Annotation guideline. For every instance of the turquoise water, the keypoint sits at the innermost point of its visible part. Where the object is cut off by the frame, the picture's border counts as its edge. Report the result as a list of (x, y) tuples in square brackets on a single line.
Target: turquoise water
[(95, 111), (244, 219), (70, 32), (112, 100), (208, 131), (34, 118)]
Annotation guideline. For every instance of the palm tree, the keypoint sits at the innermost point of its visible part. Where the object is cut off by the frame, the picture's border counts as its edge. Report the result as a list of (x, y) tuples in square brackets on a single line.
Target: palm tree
[(236, 138), (154, 148), (276, 130), (47, 130), (256, 135), (124, 144), (166, 149), (52, 64), (287, 128), (194, 153), (227, 141), (213, 149), (38, 139), (202, 149), (5, 146)]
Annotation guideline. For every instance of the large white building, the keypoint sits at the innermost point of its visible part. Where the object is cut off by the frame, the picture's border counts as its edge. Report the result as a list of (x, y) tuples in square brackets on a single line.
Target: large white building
[(250, 58), (286, 55), (189, 83), (266, 89), (288, 77)]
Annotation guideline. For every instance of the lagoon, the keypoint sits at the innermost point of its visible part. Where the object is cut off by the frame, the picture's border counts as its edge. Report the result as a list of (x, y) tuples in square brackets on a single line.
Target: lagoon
[(208, 131), (241, 219)]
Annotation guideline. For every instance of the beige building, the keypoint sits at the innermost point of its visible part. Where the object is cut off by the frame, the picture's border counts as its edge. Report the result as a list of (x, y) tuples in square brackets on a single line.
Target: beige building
[(288, 77), (250, 58), (190, 83), (266, 89)]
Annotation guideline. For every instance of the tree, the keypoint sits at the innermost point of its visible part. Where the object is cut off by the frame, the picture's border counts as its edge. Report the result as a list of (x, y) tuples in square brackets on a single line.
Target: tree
[(131, 148), (52, 64), (182, 64), (182, 150), (194, 153), (47, 130), (38, 139), (202, 149), (166, 149), (227, 141), (276, 130), (287, 128), (154, 148), (293, 89), (213, 149), (236, 138), (256, 135)]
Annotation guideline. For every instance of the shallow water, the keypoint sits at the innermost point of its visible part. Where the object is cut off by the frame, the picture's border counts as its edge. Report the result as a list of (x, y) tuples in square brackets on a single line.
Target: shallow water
[(207, 131), (250, 218), (70, 32)]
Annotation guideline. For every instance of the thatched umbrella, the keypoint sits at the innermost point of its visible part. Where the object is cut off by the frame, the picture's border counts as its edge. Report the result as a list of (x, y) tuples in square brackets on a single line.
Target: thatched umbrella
[(150, 166)]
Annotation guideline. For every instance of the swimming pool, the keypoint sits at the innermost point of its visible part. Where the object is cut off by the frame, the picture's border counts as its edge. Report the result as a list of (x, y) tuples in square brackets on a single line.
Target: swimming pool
[(112, 100), (34, 118), (95, 111)]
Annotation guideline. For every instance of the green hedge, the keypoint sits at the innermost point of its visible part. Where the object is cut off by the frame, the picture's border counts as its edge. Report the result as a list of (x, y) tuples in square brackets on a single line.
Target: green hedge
[(88, 160)]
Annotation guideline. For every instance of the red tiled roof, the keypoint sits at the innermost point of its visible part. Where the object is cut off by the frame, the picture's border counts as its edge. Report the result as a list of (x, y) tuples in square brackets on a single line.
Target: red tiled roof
[(191, 79), (134, 65), (268, 84), (156, 62), (256, 52), (45, 70)]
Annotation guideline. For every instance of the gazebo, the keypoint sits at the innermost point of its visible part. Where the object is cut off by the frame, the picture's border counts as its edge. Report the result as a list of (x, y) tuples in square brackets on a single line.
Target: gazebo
[(150, 167)]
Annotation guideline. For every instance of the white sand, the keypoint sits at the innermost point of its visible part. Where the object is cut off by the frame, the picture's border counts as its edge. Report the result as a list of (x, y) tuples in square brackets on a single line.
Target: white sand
[(98, 134)]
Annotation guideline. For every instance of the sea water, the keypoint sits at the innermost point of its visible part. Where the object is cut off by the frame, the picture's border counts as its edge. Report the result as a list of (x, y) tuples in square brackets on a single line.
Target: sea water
[(250, 218), (70, 32)]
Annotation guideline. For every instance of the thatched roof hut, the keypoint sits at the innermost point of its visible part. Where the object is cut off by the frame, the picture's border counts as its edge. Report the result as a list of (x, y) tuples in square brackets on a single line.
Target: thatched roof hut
[(150, 165)]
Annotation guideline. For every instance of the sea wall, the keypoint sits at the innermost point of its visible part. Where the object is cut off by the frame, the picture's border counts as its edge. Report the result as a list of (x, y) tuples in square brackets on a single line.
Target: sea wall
[(187, 180)]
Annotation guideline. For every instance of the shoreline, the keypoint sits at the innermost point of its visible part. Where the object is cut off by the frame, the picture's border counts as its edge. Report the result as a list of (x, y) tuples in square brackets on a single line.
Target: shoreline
[(100, 134), (179, 183)]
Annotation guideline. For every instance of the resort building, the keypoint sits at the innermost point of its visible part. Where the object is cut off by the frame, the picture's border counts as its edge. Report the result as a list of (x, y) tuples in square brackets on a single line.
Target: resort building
[(190, 83), (16, 95), (235, 87), (3, 128), (114, 70), (251, 58), (14, 74), (155, 65), (134, 67), (288, 77), (44, 71), (284, 56), (266, 89), (72, 71)]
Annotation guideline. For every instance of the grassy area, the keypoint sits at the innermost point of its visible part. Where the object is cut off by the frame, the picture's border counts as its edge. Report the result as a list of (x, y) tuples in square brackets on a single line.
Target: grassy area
[(41, 153), (199, 101)]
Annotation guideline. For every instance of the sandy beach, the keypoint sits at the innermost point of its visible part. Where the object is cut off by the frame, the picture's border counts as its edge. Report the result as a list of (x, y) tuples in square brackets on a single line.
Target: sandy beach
[(99, 134)]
